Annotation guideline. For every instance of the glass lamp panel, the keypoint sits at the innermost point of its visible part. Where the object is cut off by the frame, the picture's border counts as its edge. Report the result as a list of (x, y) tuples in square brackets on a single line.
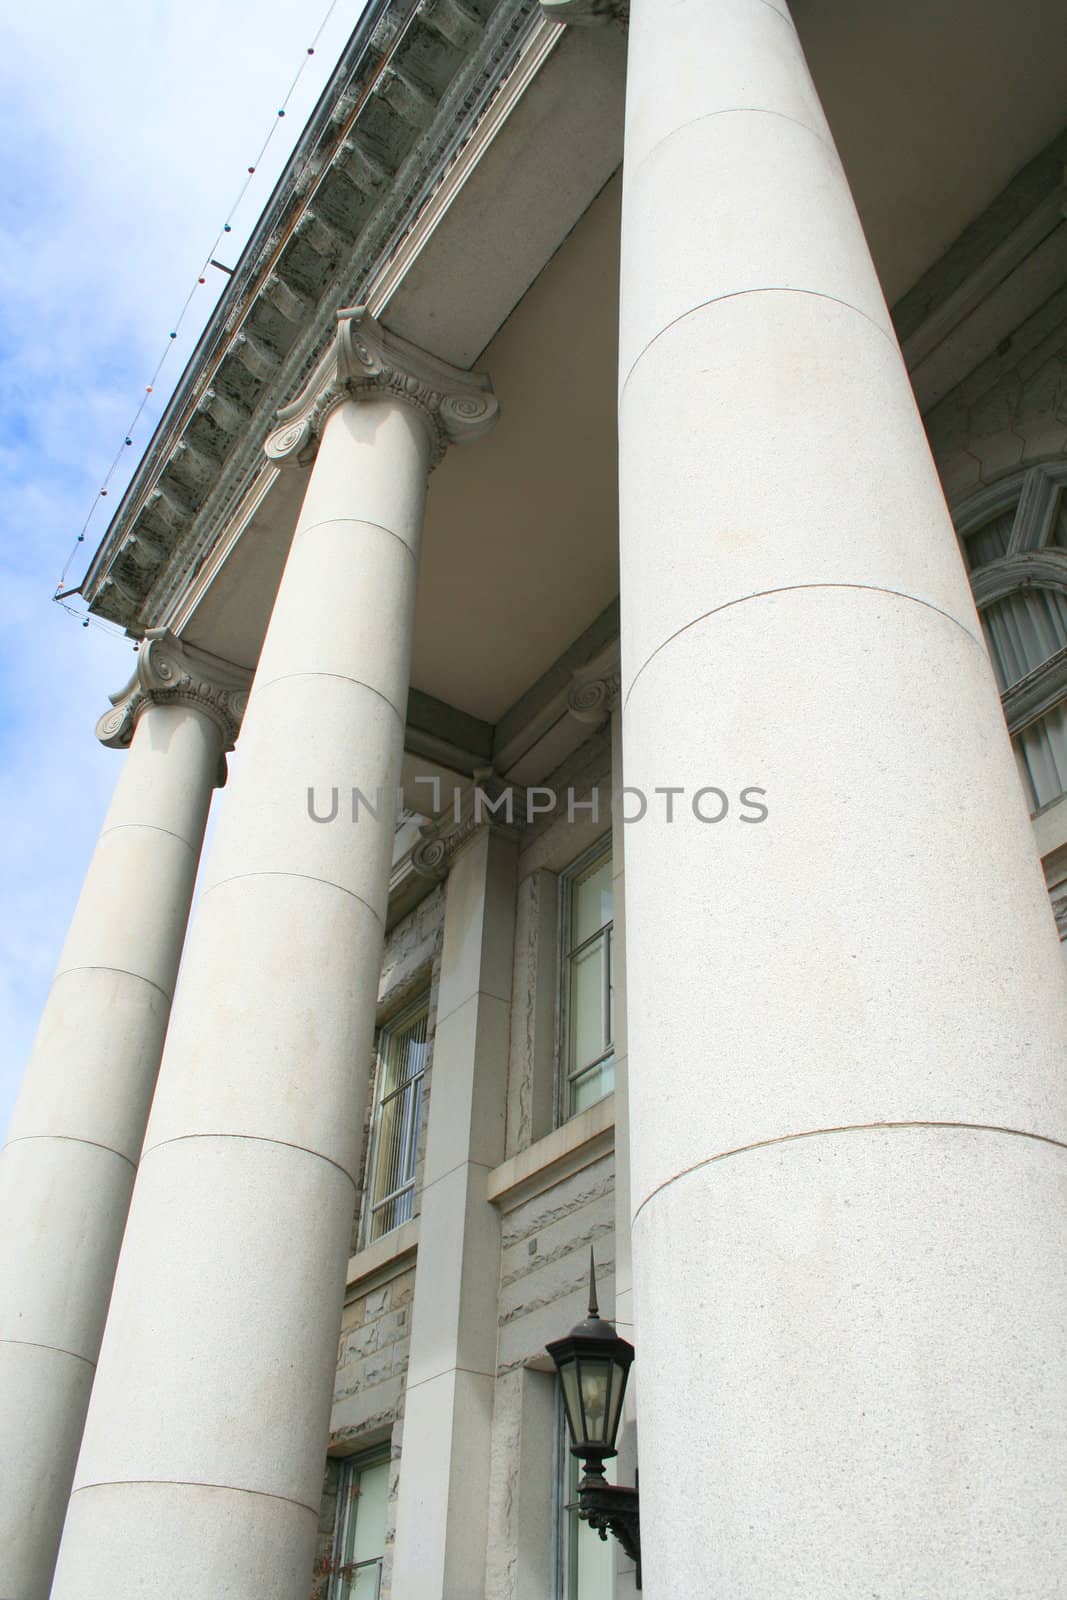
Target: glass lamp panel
[(595, 1382), (618, 1389), (591, 901), (588, 1023), (568, 1377)]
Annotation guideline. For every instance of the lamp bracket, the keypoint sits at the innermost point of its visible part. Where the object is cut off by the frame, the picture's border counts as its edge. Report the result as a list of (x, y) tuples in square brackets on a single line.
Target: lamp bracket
[(613, 1508)]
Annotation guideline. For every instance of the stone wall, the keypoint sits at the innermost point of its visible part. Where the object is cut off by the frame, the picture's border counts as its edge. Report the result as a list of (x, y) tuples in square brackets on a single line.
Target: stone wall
[(545, 1261), (543, 1292)]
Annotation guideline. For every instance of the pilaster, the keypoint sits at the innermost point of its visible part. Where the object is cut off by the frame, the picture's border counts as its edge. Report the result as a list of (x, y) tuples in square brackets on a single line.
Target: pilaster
[(444, 1482)]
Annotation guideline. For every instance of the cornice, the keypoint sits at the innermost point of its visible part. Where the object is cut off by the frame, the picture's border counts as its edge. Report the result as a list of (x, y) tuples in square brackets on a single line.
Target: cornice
[(366, 361), (587, 13), (411, 93), (171, 672)]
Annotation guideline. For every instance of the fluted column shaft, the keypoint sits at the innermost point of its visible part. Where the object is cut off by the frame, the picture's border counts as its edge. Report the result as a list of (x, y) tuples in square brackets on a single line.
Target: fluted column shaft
[(208, 1424), (847, 1021), (67, 1170)]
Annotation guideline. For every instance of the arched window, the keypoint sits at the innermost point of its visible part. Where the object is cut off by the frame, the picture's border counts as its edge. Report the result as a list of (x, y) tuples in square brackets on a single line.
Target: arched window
[(1014, 539)]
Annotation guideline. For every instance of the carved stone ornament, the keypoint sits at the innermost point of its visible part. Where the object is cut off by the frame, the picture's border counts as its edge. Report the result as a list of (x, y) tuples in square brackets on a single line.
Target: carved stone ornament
[(491, 803), (172, 673), (586, 12), (594, 691), (367, 362), (1059, 911)]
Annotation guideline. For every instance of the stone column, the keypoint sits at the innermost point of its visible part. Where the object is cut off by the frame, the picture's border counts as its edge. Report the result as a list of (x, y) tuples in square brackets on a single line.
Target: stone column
[(442, 1516), (846, 1021), (67, 1169), (627, 1461), (201, 1469)]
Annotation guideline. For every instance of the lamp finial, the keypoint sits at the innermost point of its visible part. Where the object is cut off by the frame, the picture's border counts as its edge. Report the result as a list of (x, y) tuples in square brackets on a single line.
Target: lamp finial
[(594, 1309)]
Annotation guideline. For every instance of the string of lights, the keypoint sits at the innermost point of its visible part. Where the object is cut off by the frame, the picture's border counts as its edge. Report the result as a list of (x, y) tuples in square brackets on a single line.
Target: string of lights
[(61, 593)]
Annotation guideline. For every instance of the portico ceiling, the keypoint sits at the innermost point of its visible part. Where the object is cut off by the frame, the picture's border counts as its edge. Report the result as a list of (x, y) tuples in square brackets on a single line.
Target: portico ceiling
[(933, 112)]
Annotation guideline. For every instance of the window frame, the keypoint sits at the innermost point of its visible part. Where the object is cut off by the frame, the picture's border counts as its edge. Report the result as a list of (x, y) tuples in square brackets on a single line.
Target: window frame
[(1030, 561), (566, 1074), (397, 1024), (340, 1586)]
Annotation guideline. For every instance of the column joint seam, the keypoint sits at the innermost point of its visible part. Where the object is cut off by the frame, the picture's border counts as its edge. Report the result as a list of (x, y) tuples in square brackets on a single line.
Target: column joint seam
[(363, 522), (149, 827), (57, 1349), (122, 971), (72, 1138), (308, 877), (475, 1372), (251, 1138), (475, 994), (341, 677), (188, 1483), (732, 111), (847, 1127), (794, 588), (738, 294), (460, 1166)]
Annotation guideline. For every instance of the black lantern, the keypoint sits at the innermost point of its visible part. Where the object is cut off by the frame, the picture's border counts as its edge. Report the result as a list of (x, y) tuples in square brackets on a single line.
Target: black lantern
[(593, 1365)]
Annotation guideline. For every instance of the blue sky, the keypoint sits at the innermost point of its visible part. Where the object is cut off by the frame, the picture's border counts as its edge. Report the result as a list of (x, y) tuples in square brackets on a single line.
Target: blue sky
[(126, 128)]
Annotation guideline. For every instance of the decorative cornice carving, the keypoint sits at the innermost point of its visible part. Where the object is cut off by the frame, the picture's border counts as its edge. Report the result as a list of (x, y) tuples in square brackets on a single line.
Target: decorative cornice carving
[(366, 361), (585, 13), (1059, 911), (442, 839), (172, 672), (368, 174), (595, 688)]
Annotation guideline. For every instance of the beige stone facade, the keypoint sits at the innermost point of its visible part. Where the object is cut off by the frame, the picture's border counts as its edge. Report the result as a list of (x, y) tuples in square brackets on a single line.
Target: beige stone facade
[(645, 834)]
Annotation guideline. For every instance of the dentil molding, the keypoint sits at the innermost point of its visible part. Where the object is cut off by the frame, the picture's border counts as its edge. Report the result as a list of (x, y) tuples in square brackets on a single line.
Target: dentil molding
[(586, 12), (170, 672), (367, 362)]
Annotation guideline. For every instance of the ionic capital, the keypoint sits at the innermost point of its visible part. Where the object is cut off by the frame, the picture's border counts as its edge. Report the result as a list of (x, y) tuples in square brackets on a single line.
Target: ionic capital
[(492, 803), (367, 362), (594, 690), (585, 13), (170, 672)]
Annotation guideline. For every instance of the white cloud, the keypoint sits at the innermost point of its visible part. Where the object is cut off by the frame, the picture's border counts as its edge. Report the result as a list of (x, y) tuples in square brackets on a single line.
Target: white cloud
[(127, 128)]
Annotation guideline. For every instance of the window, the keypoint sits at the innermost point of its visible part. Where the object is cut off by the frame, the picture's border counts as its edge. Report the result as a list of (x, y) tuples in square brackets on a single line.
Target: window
[(359, 1538), (1014, 539), (587, 988), (397, 1118), (586, 1562)]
